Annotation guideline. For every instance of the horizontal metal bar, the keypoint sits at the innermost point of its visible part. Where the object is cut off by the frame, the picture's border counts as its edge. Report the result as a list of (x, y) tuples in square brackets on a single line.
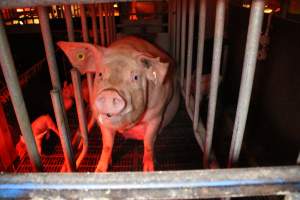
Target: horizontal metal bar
[(156, 185), (33, 3)]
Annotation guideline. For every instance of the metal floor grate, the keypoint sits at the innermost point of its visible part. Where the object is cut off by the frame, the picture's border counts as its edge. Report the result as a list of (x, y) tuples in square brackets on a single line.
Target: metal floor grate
[(175, 149)]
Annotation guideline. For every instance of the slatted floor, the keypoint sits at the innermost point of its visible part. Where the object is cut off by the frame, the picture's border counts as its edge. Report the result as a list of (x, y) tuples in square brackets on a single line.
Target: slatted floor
[(175, 149)]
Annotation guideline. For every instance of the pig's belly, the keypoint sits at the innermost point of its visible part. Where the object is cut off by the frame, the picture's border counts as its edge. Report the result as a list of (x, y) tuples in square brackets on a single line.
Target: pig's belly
[(137, 132)]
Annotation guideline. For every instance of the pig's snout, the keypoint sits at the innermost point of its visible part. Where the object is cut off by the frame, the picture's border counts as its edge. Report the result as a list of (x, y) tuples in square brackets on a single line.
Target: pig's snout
[(109, 102)]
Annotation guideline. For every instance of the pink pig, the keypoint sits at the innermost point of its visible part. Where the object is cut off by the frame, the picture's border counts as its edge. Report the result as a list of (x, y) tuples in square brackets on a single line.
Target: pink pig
[(135, 91)]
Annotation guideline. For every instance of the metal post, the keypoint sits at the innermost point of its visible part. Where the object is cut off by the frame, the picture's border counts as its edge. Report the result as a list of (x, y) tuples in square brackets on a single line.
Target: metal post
[(106, 24), (178, 16), (190, 51), (86, 39), (64, 130), (12, 82), (298, 159), (285, 4), (183, 38), (84, 27), (201, 37), (102, 36), (217, 53), (110, 22), (114, 23), (254, 30), (80, 112), (69, 23), (49, 48), (94, 23)]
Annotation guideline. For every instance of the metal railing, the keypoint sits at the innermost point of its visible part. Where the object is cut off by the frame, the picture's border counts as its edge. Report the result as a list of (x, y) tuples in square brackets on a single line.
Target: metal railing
[(163, 185)]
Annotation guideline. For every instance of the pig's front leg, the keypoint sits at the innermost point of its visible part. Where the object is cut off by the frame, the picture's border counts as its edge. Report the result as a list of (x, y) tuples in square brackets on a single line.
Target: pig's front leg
[(151, 132), (107, 145)]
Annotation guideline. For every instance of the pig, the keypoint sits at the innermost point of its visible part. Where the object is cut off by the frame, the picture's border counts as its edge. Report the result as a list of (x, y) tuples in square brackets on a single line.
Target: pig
[(68, 94), (135, 91), (40, 128)]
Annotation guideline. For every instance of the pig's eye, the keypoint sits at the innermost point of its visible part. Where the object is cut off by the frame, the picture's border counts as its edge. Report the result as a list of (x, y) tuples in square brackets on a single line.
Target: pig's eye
[(100, 74), (136, 77)]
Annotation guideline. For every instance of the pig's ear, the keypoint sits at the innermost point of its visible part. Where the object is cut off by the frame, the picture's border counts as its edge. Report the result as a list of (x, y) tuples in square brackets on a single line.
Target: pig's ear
[(155, 69), (83, 56)]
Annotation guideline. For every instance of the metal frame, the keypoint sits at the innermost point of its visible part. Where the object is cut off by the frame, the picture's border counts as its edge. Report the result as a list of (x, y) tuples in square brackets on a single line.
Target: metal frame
[(193, 184), (163, 185)]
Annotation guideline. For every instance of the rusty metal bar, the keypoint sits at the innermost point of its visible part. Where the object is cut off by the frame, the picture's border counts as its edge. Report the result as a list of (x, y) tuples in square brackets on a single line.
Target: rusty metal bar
[(201, 38), (183, 38), (49, 48), (110, 6), (94, 23), (191, 184), (12, 82), (63, 127), (107, 31), (190, 51), (217, 53), (114, 29), (178, 17), (80, 112), (69, 23), (101, 25), (84, 27), (254, 30), (34, 3)]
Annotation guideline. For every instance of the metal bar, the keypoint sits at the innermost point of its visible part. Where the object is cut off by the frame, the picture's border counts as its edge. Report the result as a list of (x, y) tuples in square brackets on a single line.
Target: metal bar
[(285, 4), (109, 7), (69, 23), (183, 38), (201, 37), (107, 31), (94, 23), (12, 82), (171, 25), (80, 112), (101, 25), (178, 17), (190, 51), (49, 48), (84, 27), (114, 24), (63, 127), (217, 53), (192, 184), (254, 30), (298, 159)]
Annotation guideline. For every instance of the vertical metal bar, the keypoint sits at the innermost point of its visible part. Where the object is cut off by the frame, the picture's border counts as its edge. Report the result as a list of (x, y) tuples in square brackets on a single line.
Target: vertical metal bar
[(109, 22), (114, 23), (80, 112), (84, 27), (94, 23), (64, 130), (285, 4), (106, 24), (183, 38), (178, 16), (201, 37), (170, 27), (69, 23), (12, 82), (217, 53), (86, 39), (190, 51), (254, 30), (49, 48), (298, 159), (102, 36)]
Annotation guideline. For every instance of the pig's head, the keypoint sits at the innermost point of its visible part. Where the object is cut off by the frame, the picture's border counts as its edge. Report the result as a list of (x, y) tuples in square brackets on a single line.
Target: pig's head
[(124, 79)]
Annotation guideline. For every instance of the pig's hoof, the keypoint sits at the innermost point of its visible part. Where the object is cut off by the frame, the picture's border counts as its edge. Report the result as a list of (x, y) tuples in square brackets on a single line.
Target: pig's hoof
[(148, 167), (101, 169)]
